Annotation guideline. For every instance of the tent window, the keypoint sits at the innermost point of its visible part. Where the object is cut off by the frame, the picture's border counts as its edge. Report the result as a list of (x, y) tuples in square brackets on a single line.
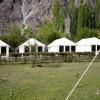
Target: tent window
[(73, 48), (3, 50), (98, 47), (26, 49), (61, 48), (93, 48), (40, 49), (67, 48)]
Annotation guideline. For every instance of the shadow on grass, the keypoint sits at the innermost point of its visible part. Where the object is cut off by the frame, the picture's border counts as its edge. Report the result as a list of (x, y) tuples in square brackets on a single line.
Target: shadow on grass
[(52, 65)]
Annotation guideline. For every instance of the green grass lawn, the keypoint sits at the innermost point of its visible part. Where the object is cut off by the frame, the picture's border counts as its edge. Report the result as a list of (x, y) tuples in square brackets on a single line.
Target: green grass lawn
[(51, 82)]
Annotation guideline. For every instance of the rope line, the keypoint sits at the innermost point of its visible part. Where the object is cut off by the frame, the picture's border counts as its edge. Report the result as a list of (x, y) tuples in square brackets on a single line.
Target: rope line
[(97, 53)]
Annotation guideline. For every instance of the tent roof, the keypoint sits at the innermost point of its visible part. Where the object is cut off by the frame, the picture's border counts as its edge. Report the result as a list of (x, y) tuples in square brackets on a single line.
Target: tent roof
[(32, 42), (61, 41), (89, 41), (3, 43)]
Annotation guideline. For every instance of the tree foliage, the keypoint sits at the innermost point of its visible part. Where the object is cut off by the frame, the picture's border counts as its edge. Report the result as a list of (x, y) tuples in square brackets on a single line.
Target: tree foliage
[(56, 15), (13, 36), (55, 28), (85, 18), (87, 33), (27, 33), (46, 33), (16, 35)]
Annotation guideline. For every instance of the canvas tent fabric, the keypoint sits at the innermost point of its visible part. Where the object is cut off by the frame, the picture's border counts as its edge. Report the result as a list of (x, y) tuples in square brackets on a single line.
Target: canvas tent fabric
[(30, 42), (54, 46), (86, 44), (6, 46)]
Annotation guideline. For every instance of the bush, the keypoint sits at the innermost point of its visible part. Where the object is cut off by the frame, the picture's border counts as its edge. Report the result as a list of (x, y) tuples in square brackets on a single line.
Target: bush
[(87, 33)]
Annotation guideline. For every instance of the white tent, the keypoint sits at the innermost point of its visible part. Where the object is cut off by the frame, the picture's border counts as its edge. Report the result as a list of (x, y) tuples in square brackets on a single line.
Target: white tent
[(39, 47), (4, 48), (88, 45), (61, 45)]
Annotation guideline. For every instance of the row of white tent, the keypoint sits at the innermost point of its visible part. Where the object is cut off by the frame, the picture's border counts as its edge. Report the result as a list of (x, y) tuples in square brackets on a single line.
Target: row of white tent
[(58, 45), (84, 45)]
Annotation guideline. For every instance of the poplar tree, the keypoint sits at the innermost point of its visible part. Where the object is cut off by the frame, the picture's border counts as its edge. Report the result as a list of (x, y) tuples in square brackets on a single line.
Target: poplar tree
[(62, 20), (56, 15)]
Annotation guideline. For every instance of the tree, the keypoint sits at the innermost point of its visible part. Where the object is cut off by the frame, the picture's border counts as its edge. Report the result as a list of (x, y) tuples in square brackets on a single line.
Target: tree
[(87, 33), (13, 36), (27, 33), (46, 33), (84, 17), (62, 20), (56, 15)]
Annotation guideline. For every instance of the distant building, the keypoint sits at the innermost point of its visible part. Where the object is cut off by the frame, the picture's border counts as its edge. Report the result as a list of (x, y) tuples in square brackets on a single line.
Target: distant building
[(88, 45), (61, 45), (31, 45)]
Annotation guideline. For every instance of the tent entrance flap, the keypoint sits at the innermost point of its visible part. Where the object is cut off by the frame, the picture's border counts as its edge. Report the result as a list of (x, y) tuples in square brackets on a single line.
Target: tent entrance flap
[(67, 48), (61, 48), (40, 49), (98, 47), (3, 50), (93, 48), (73, 48)]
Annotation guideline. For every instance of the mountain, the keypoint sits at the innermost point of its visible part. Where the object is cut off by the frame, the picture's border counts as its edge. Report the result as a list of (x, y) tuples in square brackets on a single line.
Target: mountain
[(26, 12)]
